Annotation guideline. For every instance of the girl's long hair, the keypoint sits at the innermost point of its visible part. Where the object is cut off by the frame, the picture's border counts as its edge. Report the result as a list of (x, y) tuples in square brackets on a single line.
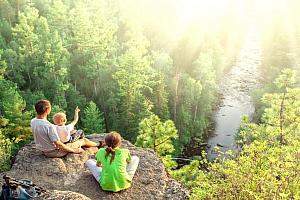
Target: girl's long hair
[(112, 140)]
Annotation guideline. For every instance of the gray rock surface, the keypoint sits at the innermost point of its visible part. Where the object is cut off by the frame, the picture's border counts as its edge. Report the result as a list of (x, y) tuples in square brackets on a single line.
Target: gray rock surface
[(61, 195), (68, 178)]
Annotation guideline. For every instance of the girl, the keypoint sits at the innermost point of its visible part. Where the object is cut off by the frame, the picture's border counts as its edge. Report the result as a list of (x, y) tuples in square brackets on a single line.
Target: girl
[(114, 167)]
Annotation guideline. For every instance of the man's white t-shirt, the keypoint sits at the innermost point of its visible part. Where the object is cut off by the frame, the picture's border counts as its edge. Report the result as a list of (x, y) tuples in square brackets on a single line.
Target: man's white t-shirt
[(44, 134), (64, 132)]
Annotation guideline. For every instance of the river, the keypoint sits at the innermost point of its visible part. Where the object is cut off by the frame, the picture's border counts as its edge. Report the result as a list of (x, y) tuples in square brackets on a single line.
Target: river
[(235, 89)]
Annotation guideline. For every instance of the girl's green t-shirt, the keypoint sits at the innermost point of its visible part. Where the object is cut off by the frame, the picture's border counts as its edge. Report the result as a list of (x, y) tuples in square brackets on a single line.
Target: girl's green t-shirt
[(114, 176)]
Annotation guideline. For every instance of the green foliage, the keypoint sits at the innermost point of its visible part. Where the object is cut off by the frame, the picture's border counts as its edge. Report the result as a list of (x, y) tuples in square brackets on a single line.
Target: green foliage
[(192, 88), (6, 146), (266, 168), (188, 173), (14, 130), (132, 76), (31, 97), (169, 163), (7, 11), (278, 50), (191, 91), (286, 79), (12, 103), (157, 135), (15, 122), (36, 59), (92, 119), (89, 31), (2, 65), (69, 51), (54, 109), (5, 33), (159, 94), (74, 98)]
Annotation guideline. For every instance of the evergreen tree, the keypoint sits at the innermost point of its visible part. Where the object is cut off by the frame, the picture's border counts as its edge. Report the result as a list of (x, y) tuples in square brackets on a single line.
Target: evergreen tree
[(36, 59), (159, 95), (14, 121), (188, 109), (93, 44), (92, 119), (12, 104), (132, 76), (2, 65), (157, 135)]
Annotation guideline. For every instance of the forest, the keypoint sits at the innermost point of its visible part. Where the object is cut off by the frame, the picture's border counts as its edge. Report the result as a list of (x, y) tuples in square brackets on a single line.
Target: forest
[(151, 70)]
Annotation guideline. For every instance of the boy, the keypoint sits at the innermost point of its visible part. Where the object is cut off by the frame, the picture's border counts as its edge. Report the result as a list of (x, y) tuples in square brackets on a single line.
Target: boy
[(65, 132)]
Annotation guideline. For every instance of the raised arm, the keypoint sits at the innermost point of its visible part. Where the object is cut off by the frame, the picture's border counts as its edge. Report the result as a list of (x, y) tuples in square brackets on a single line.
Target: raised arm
[(76, 117), (66, 148)]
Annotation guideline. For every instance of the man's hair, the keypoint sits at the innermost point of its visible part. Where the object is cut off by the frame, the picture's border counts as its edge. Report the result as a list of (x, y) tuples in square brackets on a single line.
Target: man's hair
[(41, 106), (57, 117)]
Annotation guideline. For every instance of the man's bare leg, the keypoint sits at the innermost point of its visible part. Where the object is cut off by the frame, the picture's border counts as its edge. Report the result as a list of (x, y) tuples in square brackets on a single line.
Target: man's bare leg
[(88, 143)]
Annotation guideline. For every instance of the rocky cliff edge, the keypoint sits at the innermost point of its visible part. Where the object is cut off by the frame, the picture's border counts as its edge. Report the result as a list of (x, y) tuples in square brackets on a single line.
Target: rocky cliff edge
[(68, 178)]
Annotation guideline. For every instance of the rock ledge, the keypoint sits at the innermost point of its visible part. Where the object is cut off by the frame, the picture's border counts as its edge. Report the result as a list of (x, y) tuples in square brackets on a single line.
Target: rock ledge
[(68, 178)]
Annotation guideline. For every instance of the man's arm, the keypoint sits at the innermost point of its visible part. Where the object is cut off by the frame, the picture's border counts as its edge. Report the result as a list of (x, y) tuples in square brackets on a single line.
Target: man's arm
[(75, 120), (61, 145)]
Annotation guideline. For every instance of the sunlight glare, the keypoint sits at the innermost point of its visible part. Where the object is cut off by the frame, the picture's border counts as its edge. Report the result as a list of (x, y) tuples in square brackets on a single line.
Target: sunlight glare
[(191, 10)]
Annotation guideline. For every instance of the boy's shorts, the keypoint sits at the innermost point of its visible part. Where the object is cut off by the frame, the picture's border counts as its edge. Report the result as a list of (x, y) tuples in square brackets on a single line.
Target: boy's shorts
[(76, 136)]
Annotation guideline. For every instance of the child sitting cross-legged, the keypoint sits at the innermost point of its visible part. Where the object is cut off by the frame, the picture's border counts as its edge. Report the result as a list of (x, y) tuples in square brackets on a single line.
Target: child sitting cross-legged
[(114, 167)]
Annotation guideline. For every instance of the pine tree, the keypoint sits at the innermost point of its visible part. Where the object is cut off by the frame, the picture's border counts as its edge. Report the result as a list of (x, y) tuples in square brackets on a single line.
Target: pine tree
[(157, 135), (36, 59), (92, 119), (132, 76)]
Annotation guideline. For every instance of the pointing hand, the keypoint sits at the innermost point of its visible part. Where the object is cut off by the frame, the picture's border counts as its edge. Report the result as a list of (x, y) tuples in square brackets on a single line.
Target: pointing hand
[(77, 110)]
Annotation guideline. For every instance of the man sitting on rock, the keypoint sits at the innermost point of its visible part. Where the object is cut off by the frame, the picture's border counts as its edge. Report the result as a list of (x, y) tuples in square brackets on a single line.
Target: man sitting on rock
[(46, 137)]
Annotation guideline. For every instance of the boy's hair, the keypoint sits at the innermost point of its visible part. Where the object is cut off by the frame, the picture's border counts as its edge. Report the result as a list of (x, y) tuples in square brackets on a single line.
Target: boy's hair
[(57, 117), (41, 106), (112, 140)]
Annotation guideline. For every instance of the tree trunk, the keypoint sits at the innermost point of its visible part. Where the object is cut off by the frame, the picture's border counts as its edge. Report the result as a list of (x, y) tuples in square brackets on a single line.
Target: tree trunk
[(18, 10), (29, 77), (281, 118), (95, 88), (195, 113), (177, 75)]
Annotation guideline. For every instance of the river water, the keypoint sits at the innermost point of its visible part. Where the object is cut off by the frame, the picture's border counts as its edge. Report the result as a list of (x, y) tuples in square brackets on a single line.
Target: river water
[(235, 89)]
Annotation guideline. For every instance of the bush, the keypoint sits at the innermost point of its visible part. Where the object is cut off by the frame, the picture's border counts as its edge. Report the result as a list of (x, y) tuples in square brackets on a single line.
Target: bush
[(6, 148)]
